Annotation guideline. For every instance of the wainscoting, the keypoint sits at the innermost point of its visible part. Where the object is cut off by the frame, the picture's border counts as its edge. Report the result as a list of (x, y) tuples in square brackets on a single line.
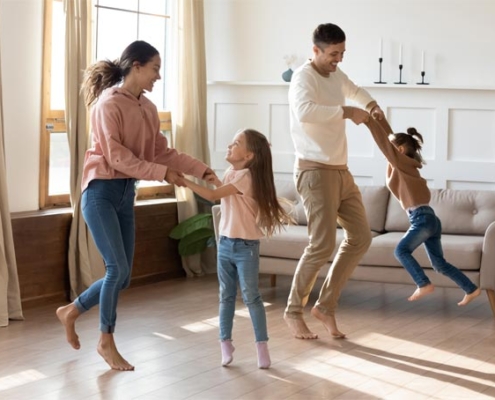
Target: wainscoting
[(457, 123), (41, 242)]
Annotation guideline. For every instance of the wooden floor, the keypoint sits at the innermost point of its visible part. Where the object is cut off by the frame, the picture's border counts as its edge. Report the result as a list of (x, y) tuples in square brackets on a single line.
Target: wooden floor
[(431, 349)]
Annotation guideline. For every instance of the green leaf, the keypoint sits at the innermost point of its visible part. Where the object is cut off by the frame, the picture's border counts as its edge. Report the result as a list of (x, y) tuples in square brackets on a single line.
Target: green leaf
[(192, 224), (195, 242)]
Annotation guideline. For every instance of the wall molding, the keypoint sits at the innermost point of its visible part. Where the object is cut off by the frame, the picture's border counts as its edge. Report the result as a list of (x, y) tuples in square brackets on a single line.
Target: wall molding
[(458, 125)]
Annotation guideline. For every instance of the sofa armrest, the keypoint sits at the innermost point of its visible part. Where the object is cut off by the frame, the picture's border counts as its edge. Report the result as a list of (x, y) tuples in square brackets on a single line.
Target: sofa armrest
[(487, 269), (215, 212)]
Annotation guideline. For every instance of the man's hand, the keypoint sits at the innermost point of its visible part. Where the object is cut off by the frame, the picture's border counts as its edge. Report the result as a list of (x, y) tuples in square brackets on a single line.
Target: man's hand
[(174, 177), (377, 113), (356, 115)]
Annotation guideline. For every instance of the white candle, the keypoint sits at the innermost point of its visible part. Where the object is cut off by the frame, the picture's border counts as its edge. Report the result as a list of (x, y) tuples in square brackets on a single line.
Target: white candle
[(423, 61), (400, 54), (381, 48)]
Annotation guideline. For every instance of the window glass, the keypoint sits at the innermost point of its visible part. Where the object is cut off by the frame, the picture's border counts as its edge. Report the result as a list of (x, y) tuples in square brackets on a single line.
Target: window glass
[(57, 98), (115, 23), (153, 30), (109, 45), (59, 172)]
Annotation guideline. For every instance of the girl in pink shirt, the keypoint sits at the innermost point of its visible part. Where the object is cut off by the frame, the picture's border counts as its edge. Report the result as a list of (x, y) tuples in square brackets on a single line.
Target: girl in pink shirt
[(126, 145), (250, 210)]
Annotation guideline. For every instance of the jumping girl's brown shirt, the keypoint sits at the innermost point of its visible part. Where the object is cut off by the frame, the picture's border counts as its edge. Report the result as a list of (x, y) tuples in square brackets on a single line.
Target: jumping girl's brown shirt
[(403, 177)]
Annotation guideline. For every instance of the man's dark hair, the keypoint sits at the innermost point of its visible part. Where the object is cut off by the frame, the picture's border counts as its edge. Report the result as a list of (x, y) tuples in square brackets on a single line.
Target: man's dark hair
[(326, 34)]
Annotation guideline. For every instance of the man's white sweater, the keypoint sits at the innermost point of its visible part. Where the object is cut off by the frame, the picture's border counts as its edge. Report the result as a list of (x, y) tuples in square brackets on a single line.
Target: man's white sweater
[(317, 121)]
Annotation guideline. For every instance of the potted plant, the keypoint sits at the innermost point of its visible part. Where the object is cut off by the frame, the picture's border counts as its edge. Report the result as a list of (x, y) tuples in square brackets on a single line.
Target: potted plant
[(196, 233)]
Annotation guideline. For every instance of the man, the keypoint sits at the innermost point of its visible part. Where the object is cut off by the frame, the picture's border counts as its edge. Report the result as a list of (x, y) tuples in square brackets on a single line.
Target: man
[(317, 95)]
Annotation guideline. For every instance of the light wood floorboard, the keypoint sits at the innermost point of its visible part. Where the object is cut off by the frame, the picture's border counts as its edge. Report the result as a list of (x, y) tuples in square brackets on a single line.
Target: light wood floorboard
[(429, 349)]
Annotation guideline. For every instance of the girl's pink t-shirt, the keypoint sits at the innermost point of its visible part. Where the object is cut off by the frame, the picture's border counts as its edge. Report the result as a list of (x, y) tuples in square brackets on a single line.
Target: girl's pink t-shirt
[(240, 210)]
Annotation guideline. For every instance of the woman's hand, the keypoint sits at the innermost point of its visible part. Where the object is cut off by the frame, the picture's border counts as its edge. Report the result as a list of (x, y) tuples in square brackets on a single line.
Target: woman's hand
[(174, 177), (210, 177)]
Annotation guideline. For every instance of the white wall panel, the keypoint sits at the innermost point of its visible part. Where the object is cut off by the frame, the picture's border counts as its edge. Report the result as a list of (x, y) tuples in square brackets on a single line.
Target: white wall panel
[(472, 135), (458, 126)]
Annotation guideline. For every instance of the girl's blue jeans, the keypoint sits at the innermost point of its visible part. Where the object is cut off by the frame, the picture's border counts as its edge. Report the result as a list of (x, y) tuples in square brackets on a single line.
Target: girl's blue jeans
[(426, 228), (108, 209), (238, 261)]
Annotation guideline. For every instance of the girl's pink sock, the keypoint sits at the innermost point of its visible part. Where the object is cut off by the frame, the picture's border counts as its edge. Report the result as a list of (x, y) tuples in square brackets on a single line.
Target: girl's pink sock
[(264, 361)]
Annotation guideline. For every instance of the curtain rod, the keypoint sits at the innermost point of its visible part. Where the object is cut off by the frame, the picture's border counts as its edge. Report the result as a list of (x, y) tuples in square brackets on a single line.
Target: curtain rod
[(132, 11)]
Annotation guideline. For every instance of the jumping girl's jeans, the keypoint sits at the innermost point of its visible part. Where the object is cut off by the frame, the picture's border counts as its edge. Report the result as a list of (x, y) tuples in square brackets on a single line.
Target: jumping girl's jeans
[(238, 260), (426, 228), (108, 209)]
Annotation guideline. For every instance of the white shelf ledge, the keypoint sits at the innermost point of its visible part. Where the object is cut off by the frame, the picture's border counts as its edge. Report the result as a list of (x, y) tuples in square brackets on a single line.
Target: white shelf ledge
[(408, 86), (248, 83)]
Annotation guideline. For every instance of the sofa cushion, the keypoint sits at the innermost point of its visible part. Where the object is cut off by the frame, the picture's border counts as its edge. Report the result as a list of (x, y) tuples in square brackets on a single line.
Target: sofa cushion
[(375, 200), (464, 252), (463, 212), (291, 242), (287, 191)]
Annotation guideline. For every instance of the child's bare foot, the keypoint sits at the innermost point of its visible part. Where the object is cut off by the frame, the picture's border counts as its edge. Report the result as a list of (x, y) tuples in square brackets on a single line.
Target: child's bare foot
[(329, 323), (108, 350), (421, 292), (469, 297), (299, 328), (67, 316)]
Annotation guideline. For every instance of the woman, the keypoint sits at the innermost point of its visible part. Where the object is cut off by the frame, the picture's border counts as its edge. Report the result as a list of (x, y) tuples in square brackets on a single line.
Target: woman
[(127, 145)]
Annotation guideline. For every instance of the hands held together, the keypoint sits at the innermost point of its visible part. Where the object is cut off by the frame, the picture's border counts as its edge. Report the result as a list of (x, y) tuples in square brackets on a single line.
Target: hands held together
[(177, 178), (358, 115)]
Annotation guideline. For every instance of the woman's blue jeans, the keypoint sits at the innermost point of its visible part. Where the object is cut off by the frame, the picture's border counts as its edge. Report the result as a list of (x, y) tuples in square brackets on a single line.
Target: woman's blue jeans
[(108, 209), (426, 228), (238, 260)]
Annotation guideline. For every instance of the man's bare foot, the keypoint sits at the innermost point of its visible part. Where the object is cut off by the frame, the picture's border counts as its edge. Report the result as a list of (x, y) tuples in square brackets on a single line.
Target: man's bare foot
[(67, 316), (421, 292), (469, 297), (299, 328), (329, 323), (108, 350)]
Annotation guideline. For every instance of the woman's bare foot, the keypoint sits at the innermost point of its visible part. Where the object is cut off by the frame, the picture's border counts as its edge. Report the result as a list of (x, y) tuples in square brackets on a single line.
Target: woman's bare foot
[(421, 292), (67, 316), (329, 323), (108, 350), (469, 297), (299, 328)]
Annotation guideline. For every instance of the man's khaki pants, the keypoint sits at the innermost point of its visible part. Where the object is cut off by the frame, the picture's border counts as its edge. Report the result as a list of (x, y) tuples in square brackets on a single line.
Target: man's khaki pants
[(329, 197)]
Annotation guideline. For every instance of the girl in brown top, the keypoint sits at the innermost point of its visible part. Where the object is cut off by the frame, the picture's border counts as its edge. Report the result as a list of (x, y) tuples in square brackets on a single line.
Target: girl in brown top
[(403, 152)]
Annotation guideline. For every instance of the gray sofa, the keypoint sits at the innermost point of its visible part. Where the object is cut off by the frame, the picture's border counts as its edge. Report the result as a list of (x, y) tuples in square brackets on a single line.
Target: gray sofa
[(468, 222)]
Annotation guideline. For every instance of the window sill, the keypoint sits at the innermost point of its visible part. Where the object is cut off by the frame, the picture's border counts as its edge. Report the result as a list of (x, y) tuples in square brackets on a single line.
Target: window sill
[(67, 210)]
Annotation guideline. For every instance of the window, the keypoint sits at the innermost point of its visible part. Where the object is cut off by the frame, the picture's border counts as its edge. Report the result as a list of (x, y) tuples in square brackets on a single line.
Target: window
[(116, 23)]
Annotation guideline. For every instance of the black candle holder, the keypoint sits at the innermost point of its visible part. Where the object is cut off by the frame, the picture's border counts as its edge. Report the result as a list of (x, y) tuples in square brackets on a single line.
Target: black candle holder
[(380, 60), (422, 79), (400, 77)]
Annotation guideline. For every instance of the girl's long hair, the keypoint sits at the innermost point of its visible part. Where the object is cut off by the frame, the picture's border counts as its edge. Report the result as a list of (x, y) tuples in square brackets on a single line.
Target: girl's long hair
[(104, 74), (412, 142), (272, 215)]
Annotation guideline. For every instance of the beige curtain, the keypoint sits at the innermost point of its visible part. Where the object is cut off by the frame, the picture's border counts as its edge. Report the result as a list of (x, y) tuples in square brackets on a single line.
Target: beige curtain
[(10, 294), (85, 262), (189, 119)]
